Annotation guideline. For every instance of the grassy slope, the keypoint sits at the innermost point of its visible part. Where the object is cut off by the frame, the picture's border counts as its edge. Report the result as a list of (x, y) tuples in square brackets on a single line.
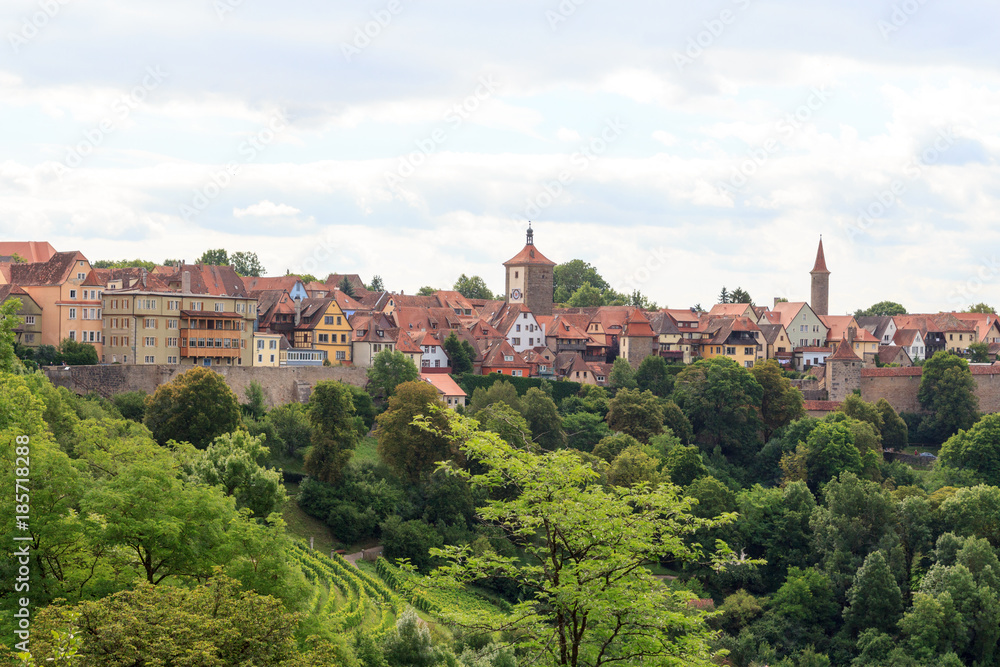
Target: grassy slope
[(300, 524)]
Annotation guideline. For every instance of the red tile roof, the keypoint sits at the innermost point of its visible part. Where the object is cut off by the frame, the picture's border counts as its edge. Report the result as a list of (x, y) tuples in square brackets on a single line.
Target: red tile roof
[(822, 406), (820, 266), (32, 251), (443, 383), (843, 353), (529, 256), (54, 271)]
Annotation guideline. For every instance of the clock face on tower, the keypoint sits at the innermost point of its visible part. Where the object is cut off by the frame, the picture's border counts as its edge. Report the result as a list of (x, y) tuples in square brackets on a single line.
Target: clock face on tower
[(515, 294)]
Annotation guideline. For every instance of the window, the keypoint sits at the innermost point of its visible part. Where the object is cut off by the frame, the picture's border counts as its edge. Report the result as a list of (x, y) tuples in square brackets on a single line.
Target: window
[(272, 358), (273, 345), (171, 324), (748, 350), (260, 358), (72, 335), (72, 294), (730, 350), (343, 338), (437, 363), (149, 323), (323, 338), (328, 319), (339, 319), (29, 319), (150, 359), (81, 276), (196, 305), (219, 306), (748, 364), (150, 341), (515, 341), (508, 357), (260, 345), (518, 328), (72, 313), (517, 373), (341, 355)]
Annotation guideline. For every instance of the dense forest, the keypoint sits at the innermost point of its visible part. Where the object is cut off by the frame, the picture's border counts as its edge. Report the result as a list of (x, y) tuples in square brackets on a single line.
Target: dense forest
[(686, 515)]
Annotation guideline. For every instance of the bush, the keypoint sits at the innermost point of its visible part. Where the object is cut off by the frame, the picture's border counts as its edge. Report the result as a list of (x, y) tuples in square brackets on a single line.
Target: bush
[(132, 404), (412, 540)]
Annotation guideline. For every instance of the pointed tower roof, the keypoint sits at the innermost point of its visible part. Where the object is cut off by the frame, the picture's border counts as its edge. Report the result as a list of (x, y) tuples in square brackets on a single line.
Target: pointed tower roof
[(820, 266), (529, 255), (844, 352)]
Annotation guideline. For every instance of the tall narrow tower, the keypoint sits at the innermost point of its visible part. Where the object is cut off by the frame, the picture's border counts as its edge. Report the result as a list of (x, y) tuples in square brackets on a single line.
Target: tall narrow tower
[(820, 283), (529, 278)]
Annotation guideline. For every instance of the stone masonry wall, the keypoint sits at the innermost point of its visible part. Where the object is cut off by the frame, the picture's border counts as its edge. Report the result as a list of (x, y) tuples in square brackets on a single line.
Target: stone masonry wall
[(281, 385), (899, 386), (538, 290)]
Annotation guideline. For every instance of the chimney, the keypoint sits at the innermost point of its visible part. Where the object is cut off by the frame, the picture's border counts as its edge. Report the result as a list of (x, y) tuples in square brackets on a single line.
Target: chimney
[(851, 333), (298, 311), (185, 282)]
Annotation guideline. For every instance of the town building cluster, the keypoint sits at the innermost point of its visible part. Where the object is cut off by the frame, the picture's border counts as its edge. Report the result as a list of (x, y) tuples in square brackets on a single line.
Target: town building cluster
[(206, 315)]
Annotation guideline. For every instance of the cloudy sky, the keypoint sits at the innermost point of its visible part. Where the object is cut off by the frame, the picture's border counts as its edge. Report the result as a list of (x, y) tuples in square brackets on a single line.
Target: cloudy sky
[(677, 146)]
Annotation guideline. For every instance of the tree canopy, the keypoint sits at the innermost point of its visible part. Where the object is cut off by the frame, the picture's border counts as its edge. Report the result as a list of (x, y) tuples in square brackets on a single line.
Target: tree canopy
[(197, 407), (882, 308), (473, 288), (947, 391), (389, 369)]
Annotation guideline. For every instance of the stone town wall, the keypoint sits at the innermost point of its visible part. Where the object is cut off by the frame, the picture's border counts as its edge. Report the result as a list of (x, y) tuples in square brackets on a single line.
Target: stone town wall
[(899, 386), (281, 385)]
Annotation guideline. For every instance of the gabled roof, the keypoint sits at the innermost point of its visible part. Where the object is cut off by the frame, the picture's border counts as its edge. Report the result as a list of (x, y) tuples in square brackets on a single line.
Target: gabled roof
[(481, 329), (893, 354), (730, 310), (786, 312), (562, 328), (354, 279), (209, 279), (345, 302), (260, 283), (405, 344), (837, 325), (54, 271), (443, 383), (905, 337), (770, 332), (663, 324), (875, 324), (16, 292), (844, 353), (32, 251), (636, 325), (493, 356)]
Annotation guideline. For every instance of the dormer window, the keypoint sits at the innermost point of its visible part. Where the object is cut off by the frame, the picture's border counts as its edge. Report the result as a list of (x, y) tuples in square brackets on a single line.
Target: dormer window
[(378, 332), (508, 357)]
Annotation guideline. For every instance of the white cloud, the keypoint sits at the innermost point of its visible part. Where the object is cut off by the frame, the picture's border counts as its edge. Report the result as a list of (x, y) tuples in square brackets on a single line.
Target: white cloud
[(266, 209)]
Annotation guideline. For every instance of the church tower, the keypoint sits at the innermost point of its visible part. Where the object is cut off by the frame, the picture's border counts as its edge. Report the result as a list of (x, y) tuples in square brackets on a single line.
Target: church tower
[(530, 278), (820, 301)]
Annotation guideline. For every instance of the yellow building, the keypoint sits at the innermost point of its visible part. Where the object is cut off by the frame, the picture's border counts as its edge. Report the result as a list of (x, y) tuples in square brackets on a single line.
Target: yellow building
[(329, 328), (267, 349), (736, 338), (29, 332)]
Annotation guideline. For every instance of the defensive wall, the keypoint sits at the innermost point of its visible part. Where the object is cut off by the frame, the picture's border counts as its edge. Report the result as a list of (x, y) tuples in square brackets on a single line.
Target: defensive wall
[(899, 386), (281, 385)]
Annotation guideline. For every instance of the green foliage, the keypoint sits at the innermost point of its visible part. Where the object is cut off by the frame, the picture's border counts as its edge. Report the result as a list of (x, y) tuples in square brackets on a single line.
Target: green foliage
[(584, 430), (874, 601), (974, 512), (570, 276), (73, 353), (354, 507), (652, 375), (780, 402), (346, 286), (256, 405), (881, 309), (560, 390), (807, 598), (460, 354), (586, 296), (593, 540), (977, 449), (9, 321), (610, 447), (246, 264), (722, 401), (675, 419), (684, 465), (894, 431), (947, 391), (410, 645), (980, 308), (364, 407), (333, 436), (714, 498), (213, 624), (637, 414), (123, 264), (131, 404), (979, 353), (473, 288), (506, 422), (376, 284), (216, 257), (195, 407), (389, 369), (738, 295), (635, 466), (408, 449), (411, 540), (830, 450), (498, 392), (292, 427), (622, 376), (426, 290), (235, 463), (540, 411)]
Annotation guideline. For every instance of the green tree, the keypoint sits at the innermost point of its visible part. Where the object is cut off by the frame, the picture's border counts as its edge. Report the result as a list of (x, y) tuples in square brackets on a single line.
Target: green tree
[(460, 354), (652, 375), (411, 540), (364, 408), (9, 321), (947, 391), (622, 375), (570, 276), (506, 422), (235, 462), (740, 295), (426, 290), (214, 624), (979, 353), (635, 466), (389, 369), (473, 288), (333, 436), (376, 285), (610, 447), (586, 296), (714, 498), (894, 432), (973, 512), (346, 287), (881, 309), (131, 404), (584, 430), (806, 598), (592, 603), (722, 401), (195, 407), (74, 353), (256, 405), (246, 264), (830, 451), (980, 308), (217, 257), (408, 449), (684, 465), (675, 419), (291, 426), (977, 449), (123, 263), (780, 402), (636, 413), (498, 392), (540, 411), (874, 601)]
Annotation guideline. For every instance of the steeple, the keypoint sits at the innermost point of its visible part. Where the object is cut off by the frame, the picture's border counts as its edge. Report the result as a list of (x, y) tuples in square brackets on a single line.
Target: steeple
[(820, 293), (820, 266), (531, 235)]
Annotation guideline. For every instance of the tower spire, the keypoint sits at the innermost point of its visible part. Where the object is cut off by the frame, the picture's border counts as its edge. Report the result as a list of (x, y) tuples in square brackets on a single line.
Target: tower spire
[(820, 266), (820, 275), (531, 234)]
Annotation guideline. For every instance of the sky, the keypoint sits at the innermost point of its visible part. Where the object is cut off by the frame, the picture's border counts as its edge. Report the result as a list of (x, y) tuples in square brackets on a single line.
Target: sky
[(677, 146)]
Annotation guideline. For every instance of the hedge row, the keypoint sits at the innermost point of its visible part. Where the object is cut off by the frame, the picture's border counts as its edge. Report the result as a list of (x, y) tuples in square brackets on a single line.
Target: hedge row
[(560, 388)]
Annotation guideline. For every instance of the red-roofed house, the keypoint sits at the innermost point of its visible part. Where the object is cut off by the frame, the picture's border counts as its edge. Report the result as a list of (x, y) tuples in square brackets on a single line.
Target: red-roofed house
[(500, 357), (447, 389), (29, 251)]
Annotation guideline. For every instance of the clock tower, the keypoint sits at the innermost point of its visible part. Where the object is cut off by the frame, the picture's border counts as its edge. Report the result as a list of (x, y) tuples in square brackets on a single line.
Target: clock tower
[(530, 278)]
